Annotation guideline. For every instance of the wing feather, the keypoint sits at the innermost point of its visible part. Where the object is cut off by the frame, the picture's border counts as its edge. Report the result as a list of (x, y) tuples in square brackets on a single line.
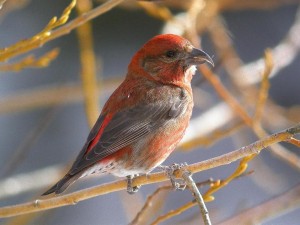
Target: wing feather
[(125, 128)]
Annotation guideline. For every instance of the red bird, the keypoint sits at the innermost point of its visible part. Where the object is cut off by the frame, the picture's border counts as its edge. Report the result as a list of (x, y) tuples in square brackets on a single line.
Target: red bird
[(145, 118)]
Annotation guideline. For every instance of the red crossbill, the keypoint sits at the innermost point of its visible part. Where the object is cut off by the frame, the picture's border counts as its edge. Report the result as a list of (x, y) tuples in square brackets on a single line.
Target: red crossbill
[(145, 118)]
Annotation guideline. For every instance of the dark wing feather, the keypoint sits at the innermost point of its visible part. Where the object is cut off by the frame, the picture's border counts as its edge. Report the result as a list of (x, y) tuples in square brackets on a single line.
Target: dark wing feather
[(125, 128), (90, 138)]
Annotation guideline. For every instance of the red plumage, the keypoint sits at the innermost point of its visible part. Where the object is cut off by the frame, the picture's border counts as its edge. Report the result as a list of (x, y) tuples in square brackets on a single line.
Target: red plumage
[(145, 118)]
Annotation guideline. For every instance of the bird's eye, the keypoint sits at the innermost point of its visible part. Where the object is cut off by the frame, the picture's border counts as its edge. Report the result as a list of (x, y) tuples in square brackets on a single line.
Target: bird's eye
[(171, 54)]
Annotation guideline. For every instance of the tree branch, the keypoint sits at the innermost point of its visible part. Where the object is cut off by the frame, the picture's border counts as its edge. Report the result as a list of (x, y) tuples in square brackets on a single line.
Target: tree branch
[(73, 198)]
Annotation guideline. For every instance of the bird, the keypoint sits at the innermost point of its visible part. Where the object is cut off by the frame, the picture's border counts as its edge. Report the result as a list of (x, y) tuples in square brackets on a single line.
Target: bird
[(145, 118)]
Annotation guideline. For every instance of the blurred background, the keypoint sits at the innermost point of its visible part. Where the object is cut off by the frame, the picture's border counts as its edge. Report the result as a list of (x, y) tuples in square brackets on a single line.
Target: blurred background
[(44, 123)]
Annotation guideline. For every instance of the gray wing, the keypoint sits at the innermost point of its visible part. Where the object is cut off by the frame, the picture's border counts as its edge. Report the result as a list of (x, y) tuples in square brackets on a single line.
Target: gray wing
[(125, 128)]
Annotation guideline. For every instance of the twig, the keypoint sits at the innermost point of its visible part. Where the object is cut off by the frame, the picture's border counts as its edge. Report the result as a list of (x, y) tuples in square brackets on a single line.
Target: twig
[(294, 141), (225, 48), (49, 96), (73, 198), (37, 40), (210, 138), (225, 95), (214, 118), (265, 85), (255, 4), (187, 176), (140, 216), (31, 62), (237, 173), (11, 6), (173, 213), (49, 34), (190, 204), (88, 65), (156, 11), (21, 183), (2, 3), (259, 131), (149, 202), (283, 54), (67, 28)]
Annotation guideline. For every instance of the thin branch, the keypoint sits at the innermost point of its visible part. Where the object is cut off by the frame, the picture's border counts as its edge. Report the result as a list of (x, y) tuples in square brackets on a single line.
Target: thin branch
[(264, 89), (237, 173), (73, 198), (37, 40), (31, 62), (294, 141), (49, 34), (22, 183), (190, 204), (88, 65), (283, 55), (139, 218), (85, 17), (156, 11), (50, 96), (225, 95), (2, 3), (174, 212), (259, 131), (187, 176), (210, 138), (154, 199), (11, 6), (255, 4), (212, 119)]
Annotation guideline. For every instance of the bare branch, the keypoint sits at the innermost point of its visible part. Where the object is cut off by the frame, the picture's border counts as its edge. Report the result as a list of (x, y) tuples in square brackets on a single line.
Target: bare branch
[(73, 198), (187, 176), (88, 65)]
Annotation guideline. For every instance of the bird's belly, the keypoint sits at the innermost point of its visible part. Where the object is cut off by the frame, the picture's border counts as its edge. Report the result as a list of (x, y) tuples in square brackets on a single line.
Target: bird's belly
[(151, 151)]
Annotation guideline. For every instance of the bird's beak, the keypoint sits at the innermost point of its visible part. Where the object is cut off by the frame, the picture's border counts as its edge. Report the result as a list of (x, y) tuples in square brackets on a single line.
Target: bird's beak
[(196, 56)]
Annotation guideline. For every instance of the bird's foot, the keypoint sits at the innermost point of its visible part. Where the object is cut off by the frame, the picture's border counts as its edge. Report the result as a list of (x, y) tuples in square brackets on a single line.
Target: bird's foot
[(131, 190), (177, 183)]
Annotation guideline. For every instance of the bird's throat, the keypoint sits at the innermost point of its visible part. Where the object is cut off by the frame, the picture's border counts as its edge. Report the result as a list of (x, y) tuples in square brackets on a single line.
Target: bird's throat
[(189, 73)]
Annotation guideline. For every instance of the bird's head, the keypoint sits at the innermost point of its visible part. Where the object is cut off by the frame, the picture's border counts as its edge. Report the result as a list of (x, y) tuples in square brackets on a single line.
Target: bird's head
[(169, 59)]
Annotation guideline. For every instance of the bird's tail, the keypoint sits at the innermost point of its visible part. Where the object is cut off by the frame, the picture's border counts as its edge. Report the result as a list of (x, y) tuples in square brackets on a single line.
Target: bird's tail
[(63, 184)]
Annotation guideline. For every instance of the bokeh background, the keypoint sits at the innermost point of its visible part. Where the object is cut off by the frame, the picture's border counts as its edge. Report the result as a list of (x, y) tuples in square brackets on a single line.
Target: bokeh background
[(63, 128)]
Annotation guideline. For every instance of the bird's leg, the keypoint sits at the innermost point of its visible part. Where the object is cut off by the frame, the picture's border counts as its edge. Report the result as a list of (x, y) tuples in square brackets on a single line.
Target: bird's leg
[(178, 184), (131, 190)]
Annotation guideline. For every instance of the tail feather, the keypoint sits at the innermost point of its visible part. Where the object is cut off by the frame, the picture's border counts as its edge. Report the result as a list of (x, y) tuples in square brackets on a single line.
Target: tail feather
[(63, 184)]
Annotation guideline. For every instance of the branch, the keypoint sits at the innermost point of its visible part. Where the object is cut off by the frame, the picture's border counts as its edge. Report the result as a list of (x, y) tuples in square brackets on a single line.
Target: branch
[(283, 55), (154, 199), (21, 183), (31, 62), (73, 198), (88, 65), (174, 212), (37, 40), (49, 96), (189, 205), (85, 17), (187, 176), (49, 33), (264, 89)]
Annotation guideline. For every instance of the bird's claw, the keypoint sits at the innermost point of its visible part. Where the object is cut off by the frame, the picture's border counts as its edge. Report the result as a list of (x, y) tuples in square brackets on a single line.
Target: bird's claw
[(177, 184), (130, 189)]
